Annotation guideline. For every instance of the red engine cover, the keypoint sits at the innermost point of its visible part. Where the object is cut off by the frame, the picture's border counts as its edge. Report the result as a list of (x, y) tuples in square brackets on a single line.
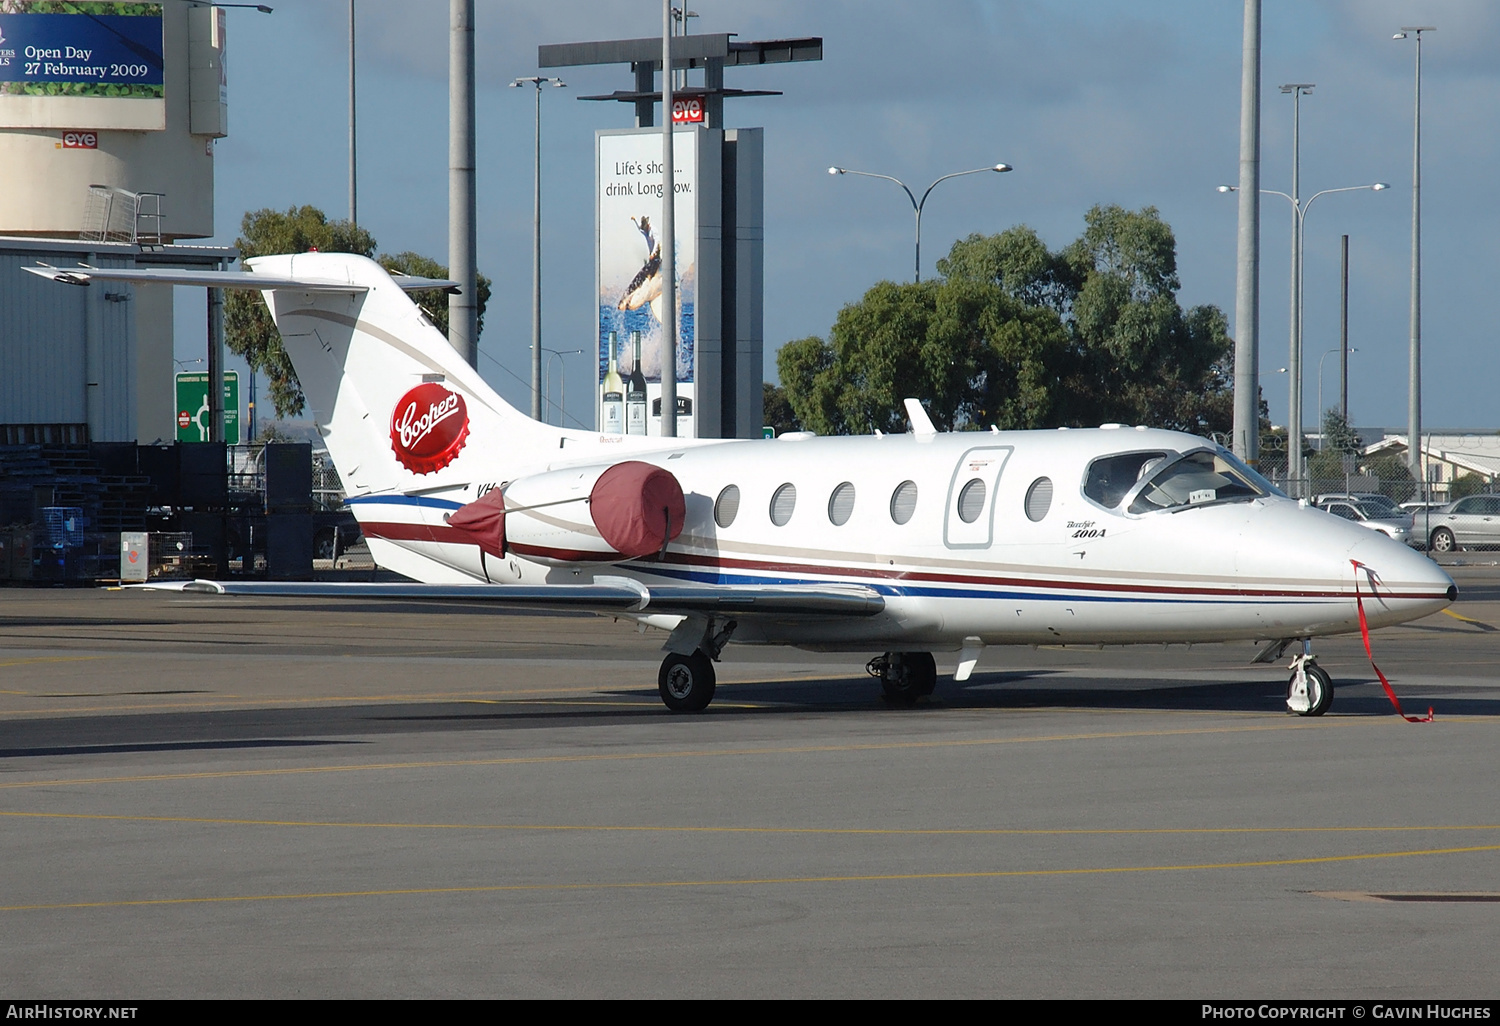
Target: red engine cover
[(637, 508)]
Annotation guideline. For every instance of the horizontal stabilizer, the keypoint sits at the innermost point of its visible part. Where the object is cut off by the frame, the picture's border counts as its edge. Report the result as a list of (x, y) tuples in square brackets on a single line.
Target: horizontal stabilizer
[(617, 596), (224, 279)]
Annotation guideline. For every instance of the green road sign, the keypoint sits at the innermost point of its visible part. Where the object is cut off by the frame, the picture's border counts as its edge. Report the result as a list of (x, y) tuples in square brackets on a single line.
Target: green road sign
[(193, 416)]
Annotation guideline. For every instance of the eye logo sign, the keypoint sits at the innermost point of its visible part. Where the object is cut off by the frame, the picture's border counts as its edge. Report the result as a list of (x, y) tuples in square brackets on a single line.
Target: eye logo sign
[(428, 428)]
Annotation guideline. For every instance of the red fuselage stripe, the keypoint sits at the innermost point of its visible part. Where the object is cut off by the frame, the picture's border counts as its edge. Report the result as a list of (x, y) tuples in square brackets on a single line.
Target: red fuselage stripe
[(448, 535)]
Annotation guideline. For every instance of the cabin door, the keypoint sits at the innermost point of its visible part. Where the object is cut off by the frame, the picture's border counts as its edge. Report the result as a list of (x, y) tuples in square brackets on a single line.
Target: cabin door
[(969, 520)]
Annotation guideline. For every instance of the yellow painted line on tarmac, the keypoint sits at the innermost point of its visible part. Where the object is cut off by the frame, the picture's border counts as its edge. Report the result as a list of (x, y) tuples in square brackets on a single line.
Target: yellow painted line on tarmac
[(998, 874), (531, 760), (813, 831), (33, 660), (1487, 627)]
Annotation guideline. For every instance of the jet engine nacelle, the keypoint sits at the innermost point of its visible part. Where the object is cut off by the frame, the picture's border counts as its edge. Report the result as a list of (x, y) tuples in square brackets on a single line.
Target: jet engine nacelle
[(605, 513)]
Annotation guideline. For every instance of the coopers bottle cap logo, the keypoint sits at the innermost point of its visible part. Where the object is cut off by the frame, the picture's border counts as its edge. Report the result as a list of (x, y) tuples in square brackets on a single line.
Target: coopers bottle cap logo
[(428, 428)]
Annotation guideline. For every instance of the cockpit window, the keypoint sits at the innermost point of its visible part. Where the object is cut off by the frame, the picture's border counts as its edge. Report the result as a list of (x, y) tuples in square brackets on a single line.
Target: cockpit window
[(1196, 479), (1248, 472), (1111, 477)]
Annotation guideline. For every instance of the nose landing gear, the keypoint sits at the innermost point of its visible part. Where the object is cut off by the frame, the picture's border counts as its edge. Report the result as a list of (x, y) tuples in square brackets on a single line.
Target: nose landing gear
[(1309, 692)]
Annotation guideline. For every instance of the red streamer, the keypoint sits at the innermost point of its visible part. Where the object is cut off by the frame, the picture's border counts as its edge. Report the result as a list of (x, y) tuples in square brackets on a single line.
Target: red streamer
[(1364, 630)]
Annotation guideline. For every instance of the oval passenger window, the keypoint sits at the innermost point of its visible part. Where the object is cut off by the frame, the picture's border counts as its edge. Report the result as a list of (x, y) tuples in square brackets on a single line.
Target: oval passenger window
[(904, 501), (1039, 498), (782, 504), (727, 505), (971, 501), (841, 504)]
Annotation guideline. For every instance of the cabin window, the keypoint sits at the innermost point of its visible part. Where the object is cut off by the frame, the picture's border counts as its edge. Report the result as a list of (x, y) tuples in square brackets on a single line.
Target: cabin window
[(782, 504), (904, 501), (1196, 479), (727, 505), (1110, 477), (1038, 499), (971, 501), (841, 504)]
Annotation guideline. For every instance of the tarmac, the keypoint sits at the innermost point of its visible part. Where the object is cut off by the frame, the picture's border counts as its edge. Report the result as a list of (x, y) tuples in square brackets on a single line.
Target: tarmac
[(210, 797)]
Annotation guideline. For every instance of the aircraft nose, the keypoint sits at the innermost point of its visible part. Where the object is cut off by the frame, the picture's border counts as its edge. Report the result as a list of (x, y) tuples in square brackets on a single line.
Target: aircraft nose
[(1407, 584)]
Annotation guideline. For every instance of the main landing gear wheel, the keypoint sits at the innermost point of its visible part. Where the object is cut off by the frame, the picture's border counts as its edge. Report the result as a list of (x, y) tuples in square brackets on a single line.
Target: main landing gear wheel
[(1442, 541), (686, 682), (904, 676), (1319, 691)]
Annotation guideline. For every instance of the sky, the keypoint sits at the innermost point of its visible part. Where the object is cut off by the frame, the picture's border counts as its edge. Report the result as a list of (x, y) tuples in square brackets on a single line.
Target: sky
[(1092, 101)]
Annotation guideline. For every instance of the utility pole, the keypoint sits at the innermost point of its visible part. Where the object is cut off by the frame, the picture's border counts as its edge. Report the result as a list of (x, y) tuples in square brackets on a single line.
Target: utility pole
[(1246, 437)]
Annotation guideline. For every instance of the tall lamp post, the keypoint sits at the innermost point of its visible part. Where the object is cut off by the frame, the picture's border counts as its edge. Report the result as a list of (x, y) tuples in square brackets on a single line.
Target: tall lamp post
[(1343, 378), (1414, 396), (916, 204), (536, 246), (562, 382), (1294, 407)]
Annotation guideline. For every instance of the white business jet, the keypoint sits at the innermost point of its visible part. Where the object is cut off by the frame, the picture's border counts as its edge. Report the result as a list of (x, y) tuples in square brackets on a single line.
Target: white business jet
[(903, 545)]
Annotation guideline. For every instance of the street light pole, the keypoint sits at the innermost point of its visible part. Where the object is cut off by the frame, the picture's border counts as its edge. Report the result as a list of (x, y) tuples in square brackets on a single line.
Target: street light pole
[(1294, 417), (1294, 413), (916, 204), (1344, 364), (1414, 396), (536, 246), (562, 382)]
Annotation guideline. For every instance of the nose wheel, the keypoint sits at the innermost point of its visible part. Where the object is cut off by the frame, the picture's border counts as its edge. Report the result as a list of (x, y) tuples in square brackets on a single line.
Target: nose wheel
[(1309, 691)]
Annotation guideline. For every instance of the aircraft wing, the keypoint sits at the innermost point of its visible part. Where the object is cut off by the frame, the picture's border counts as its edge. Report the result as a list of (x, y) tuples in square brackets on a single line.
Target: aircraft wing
[(606, 595), (223, 279)]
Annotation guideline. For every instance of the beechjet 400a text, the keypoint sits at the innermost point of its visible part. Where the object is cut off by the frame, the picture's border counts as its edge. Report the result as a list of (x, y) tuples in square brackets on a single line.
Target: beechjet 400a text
[(902, 545)]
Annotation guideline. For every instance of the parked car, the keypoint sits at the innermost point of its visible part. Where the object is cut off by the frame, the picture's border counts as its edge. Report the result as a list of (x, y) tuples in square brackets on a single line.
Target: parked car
[(1373, 502), (1469, 523), (1395, 525)]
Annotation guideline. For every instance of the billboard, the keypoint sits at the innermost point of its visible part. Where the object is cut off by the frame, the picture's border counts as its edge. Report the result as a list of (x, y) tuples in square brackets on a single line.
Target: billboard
[(99, 65), (629, 278)]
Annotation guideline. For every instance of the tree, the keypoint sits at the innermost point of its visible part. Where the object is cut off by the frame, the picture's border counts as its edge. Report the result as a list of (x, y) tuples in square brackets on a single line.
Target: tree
[(1469, 484), (1016, 335), (1341, 444), (248, 328), (433, 302), (778, 410), (974, 354)]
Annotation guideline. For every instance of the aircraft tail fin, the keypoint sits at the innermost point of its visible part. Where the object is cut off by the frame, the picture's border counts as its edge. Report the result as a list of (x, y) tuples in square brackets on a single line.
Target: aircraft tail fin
[(397, 406)]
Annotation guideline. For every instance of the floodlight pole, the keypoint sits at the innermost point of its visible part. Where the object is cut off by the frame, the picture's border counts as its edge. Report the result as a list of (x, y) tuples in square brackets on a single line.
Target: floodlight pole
[(1246, 431), (353, 163), (1414, 396), (668, 237), (463, 313)]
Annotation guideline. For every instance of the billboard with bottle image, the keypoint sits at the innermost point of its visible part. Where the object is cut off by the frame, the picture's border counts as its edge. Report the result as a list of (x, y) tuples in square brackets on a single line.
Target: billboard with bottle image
[(629, 279)]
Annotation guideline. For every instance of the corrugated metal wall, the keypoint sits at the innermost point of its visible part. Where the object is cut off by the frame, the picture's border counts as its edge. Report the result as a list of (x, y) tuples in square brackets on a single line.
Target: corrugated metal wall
[(42, 344), (44, 366), (116, 310)]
